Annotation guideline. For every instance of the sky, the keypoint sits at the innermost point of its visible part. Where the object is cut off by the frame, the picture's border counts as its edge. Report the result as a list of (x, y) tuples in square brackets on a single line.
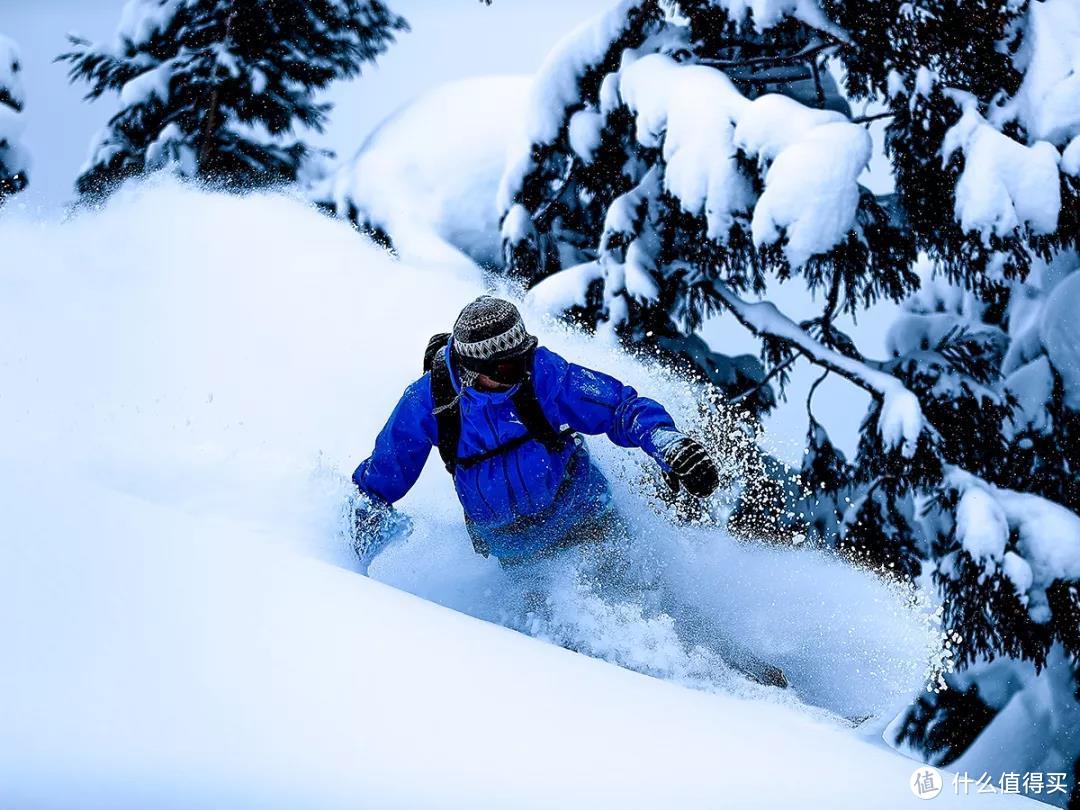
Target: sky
[(450, 39)]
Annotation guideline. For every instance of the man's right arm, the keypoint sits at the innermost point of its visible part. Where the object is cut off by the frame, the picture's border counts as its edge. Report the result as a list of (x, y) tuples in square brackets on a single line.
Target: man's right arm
[(402, 447)]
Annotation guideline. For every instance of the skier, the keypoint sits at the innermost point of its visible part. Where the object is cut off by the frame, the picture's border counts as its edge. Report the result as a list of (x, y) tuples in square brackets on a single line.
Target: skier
[(505, 415)]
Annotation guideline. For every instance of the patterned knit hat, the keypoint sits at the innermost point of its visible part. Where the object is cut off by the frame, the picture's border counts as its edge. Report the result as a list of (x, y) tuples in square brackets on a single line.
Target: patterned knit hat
[(490, 330)]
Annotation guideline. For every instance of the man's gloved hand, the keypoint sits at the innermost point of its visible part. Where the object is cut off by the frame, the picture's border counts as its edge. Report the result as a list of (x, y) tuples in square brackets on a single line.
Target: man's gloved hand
[(375, 525), (691, 467)]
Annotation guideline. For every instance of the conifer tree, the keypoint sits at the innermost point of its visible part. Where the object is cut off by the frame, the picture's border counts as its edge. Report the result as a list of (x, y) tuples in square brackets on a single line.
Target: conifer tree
[(220, 89), (14, 161), (684, 158)]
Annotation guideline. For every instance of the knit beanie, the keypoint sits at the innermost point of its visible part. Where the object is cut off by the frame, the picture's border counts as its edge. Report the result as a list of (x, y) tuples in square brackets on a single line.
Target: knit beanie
[(490, 330)]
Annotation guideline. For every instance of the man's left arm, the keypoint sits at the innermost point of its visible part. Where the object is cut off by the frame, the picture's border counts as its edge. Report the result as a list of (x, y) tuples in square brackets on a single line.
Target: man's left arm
[(592, 402)]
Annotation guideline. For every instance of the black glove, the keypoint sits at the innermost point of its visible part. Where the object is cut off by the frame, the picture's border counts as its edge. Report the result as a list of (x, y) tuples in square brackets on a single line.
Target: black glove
[(691, 467)]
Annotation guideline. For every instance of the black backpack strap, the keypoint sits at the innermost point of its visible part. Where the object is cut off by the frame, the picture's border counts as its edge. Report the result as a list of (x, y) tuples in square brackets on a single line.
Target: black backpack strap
[(434, 346), (537, 427), (513, 444), (532, 416), (447, 411)]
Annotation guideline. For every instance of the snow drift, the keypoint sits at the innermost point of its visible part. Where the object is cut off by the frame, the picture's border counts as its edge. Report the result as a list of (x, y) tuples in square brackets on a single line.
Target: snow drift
[(189, 379), (427, 175)]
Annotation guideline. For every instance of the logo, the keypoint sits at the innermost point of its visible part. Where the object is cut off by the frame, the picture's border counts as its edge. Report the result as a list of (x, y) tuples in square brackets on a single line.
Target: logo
[(925, 782)]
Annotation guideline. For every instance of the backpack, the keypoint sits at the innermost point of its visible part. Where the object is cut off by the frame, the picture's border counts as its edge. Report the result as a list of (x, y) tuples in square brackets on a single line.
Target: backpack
[(447, 413)]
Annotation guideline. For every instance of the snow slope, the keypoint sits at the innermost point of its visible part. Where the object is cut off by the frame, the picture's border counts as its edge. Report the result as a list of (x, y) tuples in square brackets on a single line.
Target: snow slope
[(427, 175), (188, 380)]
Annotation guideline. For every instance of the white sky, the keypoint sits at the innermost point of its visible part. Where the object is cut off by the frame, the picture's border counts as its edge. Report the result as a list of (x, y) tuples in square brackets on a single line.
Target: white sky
[(450, 39)]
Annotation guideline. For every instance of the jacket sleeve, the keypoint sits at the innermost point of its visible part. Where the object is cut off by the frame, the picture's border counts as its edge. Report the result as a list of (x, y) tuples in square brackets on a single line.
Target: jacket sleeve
[(592, 402), (402, 447)]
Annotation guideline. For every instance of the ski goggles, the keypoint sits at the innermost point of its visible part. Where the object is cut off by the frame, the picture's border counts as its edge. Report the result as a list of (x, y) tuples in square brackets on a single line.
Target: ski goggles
[(510, 371), (506, 370)]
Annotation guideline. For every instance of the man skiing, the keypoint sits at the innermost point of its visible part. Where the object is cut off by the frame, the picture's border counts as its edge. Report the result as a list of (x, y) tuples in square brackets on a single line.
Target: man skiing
[(505, 415)]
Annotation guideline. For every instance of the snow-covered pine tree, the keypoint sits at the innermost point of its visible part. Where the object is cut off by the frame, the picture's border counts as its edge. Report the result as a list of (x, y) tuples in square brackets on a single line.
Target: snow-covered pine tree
[(218, 89), (14, 161), (684, 157), (872, 523), (635, 183), (1005, 545), (991, 198)]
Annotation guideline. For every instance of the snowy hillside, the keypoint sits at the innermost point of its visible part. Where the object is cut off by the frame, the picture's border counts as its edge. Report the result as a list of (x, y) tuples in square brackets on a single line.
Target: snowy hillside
[(427, 175), (189, 379)]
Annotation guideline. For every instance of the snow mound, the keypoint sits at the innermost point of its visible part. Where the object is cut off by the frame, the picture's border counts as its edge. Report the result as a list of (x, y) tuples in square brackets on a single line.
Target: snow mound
[(1004, 184), (1060, 335), (700, 171), (190, 378), (427, 175), (814, 157), (1047, 537), (1048, 101)]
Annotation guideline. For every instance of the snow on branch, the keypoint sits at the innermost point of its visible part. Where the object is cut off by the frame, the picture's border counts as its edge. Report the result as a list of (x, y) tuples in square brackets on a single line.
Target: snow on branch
[(557, 91), (624, 216), (1070, 158), (811, 158), (811, 187), (561, 291), (691, 110), (1047, 537), (901, 419), (628, 249), (768, 13), (11, 87), (1047, 103), (1004, 185), (142, 20), (14, 159)]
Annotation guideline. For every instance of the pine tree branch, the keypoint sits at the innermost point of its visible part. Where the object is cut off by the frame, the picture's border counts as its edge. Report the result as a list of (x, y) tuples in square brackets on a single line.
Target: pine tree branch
[(540, 217), (881, 479), (866, 119), (764, 319), (810, 398), (811, 50), (778, 369), (818, 89), (830, 305), (210, 122), (901, 417)]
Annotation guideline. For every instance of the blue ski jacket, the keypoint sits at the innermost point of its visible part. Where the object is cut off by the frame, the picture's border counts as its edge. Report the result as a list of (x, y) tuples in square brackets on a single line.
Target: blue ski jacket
[(528, 497)]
